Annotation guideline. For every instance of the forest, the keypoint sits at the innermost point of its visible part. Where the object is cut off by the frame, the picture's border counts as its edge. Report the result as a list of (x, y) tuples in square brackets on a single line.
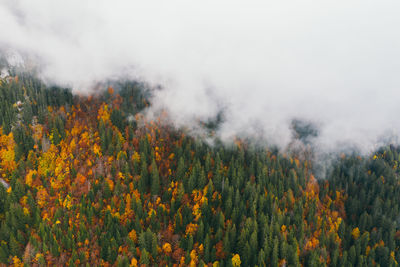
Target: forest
[(91, 181)]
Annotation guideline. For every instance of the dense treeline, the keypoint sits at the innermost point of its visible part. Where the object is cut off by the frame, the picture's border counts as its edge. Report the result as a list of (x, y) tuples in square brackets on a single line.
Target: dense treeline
[(89, 181)]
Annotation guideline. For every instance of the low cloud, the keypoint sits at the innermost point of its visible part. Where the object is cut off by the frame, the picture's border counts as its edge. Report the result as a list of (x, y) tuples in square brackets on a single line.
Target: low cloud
[(335, 64)]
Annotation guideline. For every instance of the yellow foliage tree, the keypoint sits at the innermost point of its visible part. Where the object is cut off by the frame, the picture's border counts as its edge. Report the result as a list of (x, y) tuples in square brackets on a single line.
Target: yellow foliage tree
[(167, 248), (236, 260), (29, 177), (97, 150), (17, 262), (193, 257), (104, 113), (42, 196), (7, 154), (134, 262), (133, 236), (355, 233), (191, 229)]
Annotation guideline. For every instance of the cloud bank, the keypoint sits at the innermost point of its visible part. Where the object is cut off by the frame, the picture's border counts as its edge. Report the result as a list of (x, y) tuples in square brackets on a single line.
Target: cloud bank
[(264, 63)]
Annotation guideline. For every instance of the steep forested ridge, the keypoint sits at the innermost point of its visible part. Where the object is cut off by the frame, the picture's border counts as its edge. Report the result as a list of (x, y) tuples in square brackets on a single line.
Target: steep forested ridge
[(89, 181)]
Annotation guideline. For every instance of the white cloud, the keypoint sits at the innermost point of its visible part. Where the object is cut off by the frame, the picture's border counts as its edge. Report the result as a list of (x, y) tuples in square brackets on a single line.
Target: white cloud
[(335, 63)]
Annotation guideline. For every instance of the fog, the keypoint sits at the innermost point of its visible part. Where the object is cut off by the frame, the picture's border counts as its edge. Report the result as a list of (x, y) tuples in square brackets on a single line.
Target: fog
[(262, 63)]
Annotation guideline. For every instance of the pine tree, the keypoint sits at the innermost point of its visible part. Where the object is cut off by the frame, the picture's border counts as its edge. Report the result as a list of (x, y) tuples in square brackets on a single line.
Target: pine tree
[(143, 182), (15, 247), (144, 258), (155, 179)]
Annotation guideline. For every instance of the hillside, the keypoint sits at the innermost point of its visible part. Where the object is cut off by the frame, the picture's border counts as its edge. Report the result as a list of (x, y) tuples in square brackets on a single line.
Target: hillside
[(93, 182)]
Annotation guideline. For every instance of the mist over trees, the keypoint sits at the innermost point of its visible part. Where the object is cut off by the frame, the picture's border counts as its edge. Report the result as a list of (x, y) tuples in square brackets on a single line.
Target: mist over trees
[(93, 182), (334, 64)]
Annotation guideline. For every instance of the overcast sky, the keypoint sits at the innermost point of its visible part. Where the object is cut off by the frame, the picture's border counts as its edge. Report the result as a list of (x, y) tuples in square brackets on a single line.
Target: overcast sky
[(335, 63)]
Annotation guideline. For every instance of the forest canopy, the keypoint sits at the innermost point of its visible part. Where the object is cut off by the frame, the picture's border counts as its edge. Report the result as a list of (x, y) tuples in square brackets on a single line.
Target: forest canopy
[(89, 180)]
